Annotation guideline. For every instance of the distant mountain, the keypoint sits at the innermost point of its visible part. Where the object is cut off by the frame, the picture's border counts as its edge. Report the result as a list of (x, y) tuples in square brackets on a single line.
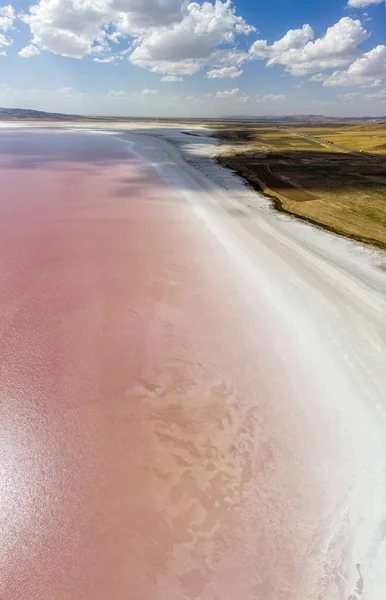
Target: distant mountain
[(302, 118), (22, 113)]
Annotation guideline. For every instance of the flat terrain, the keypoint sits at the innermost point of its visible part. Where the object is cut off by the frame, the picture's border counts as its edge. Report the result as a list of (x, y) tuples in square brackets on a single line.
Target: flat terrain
[(341, 191), (369, 137), (189, 410), (135, 428)]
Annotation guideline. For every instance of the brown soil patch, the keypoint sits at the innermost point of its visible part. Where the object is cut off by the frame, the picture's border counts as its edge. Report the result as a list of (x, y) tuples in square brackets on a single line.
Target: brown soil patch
[(278, 185), (339, 191)]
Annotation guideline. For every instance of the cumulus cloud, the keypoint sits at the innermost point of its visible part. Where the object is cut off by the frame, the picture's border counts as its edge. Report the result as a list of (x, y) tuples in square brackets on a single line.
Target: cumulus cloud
[(7, 17), (231, 72), (169, 78), (349, 98), (228, 58), (234, 94), (362, 3), (380, 95), (136, 16), (294, 39), (106, 60), (184, 48), (227, 93), (173, 37), (302, 56), (375, 84), (148, 92), (181, 37), (319, 77), (29, 51), (69, 27), (271, 98), (369, 69), (4, 41)]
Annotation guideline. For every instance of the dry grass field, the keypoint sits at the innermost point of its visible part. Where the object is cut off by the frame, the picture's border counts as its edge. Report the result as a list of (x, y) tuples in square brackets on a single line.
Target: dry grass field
[(370, 137), (341, 191)]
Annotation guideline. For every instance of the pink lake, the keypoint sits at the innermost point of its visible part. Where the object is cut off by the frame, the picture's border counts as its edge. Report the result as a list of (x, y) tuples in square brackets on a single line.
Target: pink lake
[(147, 448)]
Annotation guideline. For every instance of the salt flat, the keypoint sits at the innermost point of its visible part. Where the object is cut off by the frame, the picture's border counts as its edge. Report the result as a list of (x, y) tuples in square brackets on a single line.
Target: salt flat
[(193, 386)]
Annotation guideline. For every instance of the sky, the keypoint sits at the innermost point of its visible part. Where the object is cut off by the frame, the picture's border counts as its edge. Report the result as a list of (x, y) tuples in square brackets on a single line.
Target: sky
[(177, 58)]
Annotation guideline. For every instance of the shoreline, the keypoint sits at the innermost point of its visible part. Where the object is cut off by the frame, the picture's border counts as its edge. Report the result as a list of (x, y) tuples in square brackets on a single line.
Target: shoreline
[(342, 316), (325, 332), (277, 203)]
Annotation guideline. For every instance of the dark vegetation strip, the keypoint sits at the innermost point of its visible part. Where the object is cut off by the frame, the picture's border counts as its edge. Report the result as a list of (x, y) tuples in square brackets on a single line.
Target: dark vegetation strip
[(261, 187)]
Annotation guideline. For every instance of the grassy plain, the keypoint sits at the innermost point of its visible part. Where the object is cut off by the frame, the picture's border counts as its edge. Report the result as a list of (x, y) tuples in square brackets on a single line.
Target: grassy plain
[(341, 191), (370, 137)]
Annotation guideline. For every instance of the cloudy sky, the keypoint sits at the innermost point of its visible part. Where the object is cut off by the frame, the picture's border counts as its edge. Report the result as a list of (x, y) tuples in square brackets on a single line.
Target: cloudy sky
[(204, 58)]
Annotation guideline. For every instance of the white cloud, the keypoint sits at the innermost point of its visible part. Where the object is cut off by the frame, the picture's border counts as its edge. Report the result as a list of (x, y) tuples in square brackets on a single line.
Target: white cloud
[(4, 41), (349, 98), (227, 93), (3, 53), (136, 16), (169, 78), (271, 98), (228, 58), (148, 92), (77, 27), (369, 69), (234, 94), (123, 103), (106, 60), (29, 51), (184, 48), (301, 56), (176, 67), (381, 95), (293, 39), (375, 83), (319, 77), (362, 3), (7, 17), (116, 94), (69, 27), (231, 72), (173, 37)]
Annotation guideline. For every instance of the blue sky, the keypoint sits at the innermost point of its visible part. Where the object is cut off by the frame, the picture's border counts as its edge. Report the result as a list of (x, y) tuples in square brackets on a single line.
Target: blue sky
[(182, 58)]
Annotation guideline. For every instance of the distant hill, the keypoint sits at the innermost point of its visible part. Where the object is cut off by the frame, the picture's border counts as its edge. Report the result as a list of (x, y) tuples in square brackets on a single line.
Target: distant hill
[(25, 114), (302, 118)]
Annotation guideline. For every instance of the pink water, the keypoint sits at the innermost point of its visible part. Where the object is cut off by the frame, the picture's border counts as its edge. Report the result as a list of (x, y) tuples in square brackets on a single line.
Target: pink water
[(147, 450)]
